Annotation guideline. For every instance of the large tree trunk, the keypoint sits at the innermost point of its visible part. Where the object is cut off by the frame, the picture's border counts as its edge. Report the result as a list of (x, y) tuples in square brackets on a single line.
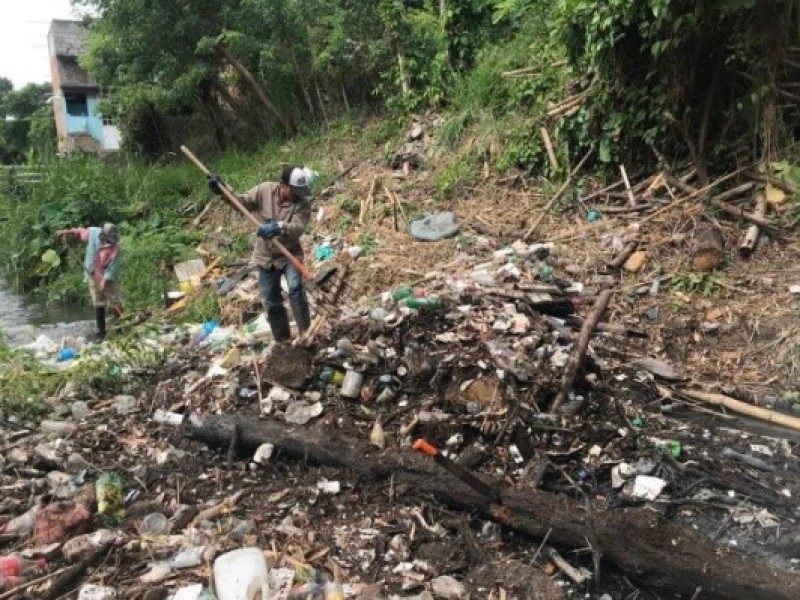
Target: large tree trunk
[(257, 87), (647, 547)]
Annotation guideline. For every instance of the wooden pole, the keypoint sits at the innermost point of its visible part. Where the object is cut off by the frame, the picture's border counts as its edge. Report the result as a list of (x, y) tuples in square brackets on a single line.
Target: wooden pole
[(576, 360), (548, 145), (763, 414)]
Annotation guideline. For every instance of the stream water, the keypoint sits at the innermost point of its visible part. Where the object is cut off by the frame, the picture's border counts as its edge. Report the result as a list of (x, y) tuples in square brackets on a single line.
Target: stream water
[(23, 318)]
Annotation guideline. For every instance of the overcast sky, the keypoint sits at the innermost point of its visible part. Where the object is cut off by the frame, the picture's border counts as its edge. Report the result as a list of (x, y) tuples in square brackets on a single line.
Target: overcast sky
[(23, 38)]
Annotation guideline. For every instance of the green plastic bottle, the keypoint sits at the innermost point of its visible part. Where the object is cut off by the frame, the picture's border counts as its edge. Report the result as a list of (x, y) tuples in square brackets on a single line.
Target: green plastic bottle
[(428, 302), (402, 293)]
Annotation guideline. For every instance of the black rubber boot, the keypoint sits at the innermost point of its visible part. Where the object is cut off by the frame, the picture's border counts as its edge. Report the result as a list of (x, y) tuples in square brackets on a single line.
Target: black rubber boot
[(301, 313), (100, 317), (279, 324)]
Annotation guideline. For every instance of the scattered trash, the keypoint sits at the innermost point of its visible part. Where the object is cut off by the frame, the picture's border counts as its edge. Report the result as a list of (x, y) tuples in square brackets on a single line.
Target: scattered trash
[(435, 227), (96, 592), (300, 412), (647, 487), (241, 574)]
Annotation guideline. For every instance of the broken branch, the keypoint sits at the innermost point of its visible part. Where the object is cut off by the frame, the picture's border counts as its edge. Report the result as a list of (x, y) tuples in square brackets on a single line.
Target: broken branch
[(576, 360)]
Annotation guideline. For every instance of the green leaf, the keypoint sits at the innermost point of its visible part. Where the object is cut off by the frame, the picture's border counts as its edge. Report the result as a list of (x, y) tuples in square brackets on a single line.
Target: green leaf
[(51, 258)]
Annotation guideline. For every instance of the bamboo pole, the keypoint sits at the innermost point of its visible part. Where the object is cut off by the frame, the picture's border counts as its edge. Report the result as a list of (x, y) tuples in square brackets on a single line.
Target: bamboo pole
[(762, 414)]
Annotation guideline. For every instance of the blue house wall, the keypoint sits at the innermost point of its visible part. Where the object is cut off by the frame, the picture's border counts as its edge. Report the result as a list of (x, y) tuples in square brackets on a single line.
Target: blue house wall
[(91, 124)]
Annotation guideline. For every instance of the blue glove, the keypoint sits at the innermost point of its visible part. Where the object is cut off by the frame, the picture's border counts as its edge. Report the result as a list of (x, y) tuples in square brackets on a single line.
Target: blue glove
[(215, 184), (269, 230)]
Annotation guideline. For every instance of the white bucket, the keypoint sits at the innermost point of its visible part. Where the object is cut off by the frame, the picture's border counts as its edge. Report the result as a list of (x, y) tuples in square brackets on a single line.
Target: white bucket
[(240, 574)]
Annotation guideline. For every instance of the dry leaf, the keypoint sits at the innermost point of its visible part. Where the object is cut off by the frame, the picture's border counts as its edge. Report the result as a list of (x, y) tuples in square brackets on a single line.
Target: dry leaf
[(635, 261), (774, 195)]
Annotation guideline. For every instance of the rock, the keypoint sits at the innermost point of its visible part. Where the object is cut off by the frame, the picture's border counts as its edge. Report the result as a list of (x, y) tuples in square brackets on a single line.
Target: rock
[(449, 588), (75, 462), (416, 132)]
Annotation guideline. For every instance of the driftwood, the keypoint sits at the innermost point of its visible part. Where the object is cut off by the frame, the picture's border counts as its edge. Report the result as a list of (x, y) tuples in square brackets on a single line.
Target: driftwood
[(754, 231), (735, 211), (647, 547), (576, 360), (729, 209)]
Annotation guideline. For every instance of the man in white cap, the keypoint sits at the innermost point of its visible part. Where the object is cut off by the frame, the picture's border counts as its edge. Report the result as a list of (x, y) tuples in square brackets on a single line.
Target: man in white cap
[(285, 210), (100, 268)]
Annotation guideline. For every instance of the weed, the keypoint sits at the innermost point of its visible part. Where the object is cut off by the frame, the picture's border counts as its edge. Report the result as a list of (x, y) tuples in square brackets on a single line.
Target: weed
[(367, 242), (460, 172), (704, 284), (348, 204)]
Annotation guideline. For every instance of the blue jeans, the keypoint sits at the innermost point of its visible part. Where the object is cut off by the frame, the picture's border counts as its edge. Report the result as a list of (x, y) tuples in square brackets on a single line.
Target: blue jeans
[(269, 280)]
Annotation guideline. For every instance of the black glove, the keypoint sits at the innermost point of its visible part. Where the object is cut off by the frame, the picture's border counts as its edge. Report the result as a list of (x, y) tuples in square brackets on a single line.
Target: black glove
[(215, 184)]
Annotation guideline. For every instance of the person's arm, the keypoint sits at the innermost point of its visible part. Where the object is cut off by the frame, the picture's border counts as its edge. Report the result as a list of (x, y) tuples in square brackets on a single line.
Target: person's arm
[(296, 226), (80, 233)]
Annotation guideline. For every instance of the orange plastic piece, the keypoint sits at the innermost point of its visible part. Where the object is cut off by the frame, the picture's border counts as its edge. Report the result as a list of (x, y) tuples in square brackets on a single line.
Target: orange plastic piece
[(425, 447)]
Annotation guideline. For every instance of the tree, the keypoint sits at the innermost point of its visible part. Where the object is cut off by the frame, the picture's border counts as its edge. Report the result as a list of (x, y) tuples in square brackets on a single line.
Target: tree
[(22, 111)]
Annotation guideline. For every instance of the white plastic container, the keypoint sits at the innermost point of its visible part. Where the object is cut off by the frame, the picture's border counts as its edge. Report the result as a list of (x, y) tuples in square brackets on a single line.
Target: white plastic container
[(351, 386), (167, 418), (240, 574)]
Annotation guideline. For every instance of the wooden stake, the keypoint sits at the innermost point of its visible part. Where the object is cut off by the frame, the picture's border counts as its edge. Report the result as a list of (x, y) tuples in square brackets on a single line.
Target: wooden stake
[(548, 144), (754, 232), (631, 197), (366, 205), (576, 360)]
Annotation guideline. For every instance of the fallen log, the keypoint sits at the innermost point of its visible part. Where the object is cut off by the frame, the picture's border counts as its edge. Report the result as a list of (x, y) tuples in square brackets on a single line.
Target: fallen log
[(648, 548), (754, 231)]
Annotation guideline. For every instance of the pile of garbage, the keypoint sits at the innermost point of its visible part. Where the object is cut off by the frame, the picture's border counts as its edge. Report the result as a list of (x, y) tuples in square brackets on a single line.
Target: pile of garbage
[(117, 497)]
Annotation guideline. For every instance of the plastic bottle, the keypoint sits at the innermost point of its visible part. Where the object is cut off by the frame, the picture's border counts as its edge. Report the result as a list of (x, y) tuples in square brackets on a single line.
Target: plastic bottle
[(238, 572), (331, 375), (430, 303), (58, 427), (15, 570), (402, 293), (351, 386)]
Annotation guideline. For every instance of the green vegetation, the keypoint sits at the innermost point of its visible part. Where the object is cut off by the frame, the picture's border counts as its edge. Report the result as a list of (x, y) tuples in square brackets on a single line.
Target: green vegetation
[(27, 128)]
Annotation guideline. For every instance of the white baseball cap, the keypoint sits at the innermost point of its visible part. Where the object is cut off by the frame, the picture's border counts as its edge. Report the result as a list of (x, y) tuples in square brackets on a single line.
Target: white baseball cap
[(299, 179)]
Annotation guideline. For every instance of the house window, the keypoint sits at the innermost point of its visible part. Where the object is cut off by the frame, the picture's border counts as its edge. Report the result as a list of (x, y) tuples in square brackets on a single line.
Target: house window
[(77, 104)]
